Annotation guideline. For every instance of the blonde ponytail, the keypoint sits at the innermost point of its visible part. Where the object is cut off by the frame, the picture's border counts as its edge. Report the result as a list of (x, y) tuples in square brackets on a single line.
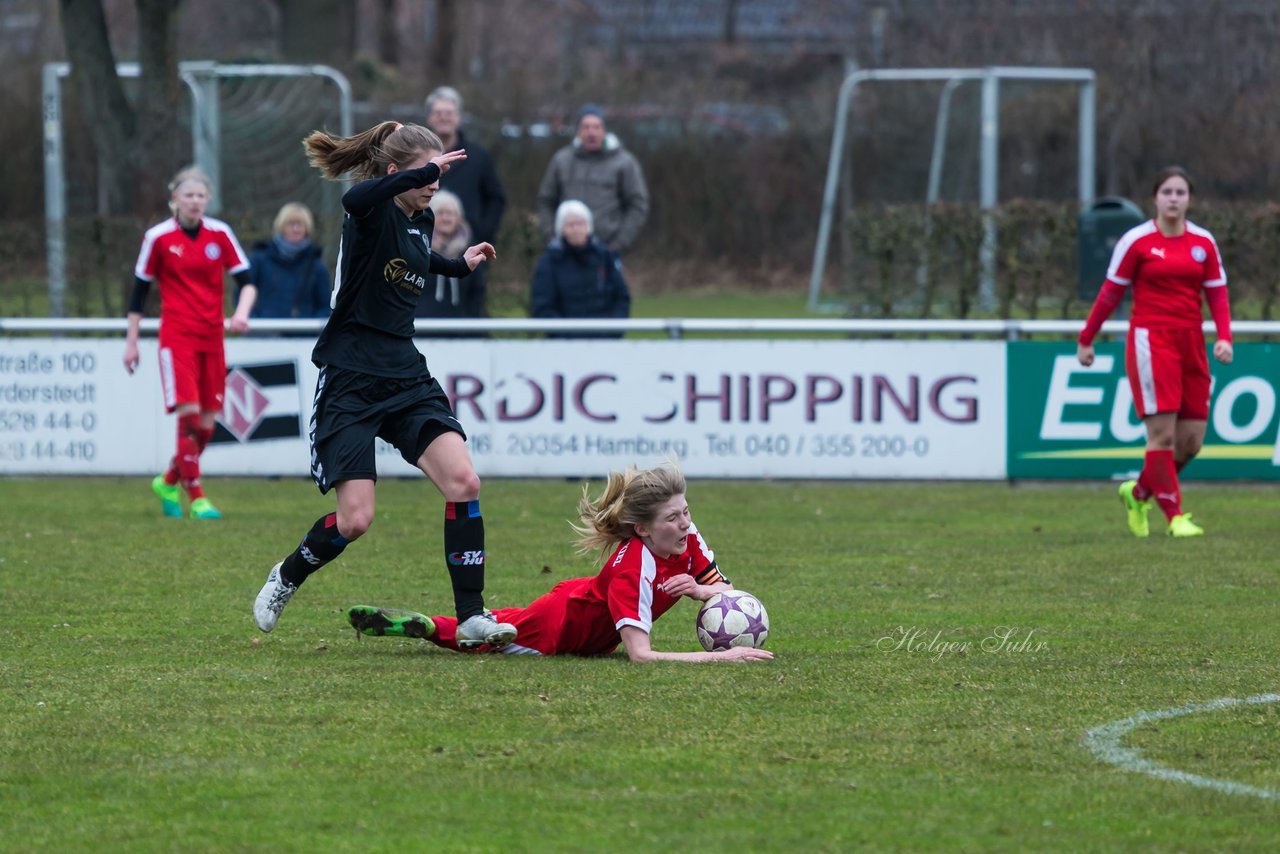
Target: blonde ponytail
[(632, 497)]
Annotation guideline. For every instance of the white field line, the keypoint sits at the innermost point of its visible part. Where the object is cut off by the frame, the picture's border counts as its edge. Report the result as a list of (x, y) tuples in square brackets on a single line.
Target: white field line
[(1104, 741)]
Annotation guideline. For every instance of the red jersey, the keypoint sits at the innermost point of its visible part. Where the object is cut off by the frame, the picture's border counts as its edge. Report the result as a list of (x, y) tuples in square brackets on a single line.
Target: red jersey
[(190, 273), (628, 591), (1167, 274)]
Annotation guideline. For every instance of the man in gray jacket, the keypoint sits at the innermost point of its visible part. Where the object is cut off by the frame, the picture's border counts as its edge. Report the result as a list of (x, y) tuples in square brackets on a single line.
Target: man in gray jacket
[(597, 170)]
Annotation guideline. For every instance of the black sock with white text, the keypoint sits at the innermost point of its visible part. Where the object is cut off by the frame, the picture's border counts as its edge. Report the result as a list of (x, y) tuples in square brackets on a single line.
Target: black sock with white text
[(464, 555)]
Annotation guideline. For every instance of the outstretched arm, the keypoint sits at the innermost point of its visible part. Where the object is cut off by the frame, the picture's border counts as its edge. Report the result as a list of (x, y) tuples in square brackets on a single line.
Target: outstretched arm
[(636, 643), (366, 195)]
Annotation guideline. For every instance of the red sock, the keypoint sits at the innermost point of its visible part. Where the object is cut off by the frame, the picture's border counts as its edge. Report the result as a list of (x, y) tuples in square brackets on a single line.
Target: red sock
[(172, 476), (1142, 491), (1160, 473), (189, 454), (205, 436)]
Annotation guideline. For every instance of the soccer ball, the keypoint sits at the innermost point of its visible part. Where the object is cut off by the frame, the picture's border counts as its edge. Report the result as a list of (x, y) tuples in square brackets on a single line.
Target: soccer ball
[(732, 618)]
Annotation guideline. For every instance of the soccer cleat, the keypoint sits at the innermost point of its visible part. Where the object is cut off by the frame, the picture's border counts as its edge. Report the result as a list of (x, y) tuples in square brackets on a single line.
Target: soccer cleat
[(376, 622), (202, 508), (483, 630), (272, 598), (1136, 509), (168, 495), (1182, 526)]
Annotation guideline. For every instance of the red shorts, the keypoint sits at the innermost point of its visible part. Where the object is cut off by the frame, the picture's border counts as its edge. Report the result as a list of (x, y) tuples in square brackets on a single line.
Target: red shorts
[(1168, 372), (538, 626), (556, 623), (188, 375)]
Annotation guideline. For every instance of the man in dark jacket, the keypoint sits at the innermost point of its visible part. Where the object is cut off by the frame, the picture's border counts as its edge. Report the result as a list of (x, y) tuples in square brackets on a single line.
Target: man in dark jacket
[(597, 170), (473, 180)]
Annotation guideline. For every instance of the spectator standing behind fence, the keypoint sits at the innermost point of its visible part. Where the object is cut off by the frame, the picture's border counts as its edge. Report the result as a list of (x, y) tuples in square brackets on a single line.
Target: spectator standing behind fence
[(188, 257), (597, 170), (474, 180), (577, 275), (289, 269), (445, 295)]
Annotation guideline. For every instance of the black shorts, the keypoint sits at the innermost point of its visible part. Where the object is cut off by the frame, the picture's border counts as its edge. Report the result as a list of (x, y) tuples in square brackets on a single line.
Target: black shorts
[(352, 408)]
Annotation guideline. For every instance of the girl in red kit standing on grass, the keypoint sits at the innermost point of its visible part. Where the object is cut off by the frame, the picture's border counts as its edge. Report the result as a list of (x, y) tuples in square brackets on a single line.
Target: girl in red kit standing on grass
[(1169, 262), (188, 257)]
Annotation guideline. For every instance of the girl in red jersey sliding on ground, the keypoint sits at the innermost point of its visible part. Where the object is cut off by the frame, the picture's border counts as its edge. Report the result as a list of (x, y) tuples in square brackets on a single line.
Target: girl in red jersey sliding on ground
[(656, 556), (1168, 262), (187, 256)]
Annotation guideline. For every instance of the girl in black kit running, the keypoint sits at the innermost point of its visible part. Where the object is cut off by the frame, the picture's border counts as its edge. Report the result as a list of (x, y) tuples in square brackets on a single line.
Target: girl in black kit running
[(373, 382)]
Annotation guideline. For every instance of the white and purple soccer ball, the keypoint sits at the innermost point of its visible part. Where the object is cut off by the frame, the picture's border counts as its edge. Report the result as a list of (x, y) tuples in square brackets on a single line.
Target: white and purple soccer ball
[(732, 618)]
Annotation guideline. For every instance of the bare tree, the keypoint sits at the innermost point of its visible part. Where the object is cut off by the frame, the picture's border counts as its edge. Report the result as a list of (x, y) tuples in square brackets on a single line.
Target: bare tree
[(388, 34), (318, 31), (446, 36), (158, 99), (106, 109), (730, 26), (136, 148)]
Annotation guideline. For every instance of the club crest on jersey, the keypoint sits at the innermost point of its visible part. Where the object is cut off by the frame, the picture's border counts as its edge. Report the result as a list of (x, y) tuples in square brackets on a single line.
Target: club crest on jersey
[(213, 251), (1198, 253), (1158, 251)]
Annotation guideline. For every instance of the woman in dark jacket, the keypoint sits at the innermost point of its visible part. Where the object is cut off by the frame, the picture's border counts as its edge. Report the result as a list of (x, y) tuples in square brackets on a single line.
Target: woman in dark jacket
[(577, 276), (291, 275)]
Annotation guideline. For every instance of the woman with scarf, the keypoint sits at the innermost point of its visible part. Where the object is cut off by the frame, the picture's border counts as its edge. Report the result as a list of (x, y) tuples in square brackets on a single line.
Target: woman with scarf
[(289, 269)]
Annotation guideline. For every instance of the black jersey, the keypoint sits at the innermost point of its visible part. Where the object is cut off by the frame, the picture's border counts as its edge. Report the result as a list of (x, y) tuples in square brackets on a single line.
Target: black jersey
[(384, 261)]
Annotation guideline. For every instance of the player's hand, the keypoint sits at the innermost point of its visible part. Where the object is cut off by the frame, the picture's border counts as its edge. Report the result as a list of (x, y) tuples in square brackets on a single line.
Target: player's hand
[(1223, 352), (239, 324), (479, 253), (444, 161), (684, 585), (131, 357), (1084, 354), (743, 653)]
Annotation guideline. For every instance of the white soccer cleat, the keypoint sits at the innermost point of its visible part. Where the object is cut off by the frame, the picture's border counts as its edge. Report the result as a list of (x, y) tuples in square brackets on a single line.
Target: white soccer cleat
[(484, 630), (272, 598)]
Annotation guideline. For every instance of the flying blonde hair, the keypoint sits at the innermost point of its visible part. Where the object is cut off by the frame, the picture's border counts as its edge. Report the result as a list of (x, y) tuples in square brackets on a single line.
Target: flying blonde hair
[(367, 154), (630, 498)]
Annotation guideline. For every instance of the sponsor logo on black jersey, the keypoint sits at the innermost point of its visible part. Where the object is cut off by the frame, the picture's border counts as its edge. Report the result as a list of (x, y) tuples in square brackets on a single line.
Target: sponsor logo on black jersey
[(397, 272), (262, 402)]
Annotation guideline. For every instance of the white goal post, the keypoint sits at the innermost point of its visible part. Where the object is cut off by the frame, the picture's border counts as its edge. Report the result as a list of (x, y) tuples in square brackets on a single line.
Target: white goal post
[(202, 79), (991, 77)]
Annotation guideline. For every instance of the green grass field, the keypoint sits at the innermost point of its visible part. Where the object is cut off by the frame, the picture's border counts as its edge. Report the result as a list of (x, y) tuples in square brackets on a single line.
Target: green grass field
[(139, 715)]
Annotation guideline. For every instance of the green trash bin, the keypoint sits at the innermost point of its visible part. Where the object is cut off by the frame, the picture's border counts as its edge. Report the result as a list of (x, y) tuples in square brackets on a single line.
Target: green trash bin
[(1100, 226)]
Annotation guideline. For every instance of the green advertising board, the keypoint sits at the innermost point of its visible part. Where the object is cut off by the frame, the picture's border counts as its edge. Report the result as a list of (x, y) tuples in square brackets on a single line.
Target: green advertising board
[(1069, 421)]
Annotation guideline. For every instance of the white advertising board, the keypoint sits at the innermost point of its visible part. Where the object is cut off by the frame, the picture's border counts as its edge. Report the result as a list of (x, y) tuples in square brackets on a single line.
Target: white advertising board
[(725, 408)]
